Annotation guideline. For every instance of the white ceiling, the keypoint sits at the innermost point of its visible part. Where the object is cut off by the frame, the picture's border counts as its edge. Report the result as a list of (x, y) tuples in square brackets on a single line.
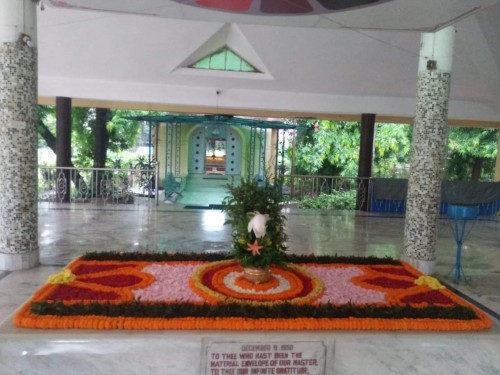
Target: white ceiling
[(358, 61)]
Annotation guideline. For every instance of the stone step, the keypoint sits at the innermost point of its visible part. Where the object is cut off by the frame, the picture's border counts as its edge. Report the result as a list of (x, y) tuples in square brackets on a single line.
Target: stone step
[(206, 190)]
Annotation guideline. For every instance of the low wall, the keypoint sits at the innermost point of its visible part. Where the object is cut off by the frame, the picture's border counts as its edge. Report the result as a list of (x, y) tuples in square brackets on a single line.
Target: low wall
[(389, 195)]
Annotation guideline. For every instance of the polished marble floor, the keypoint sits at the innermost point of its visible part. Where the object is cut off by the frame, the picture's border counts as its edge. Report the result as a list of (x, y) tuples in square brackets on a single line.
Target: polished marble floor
[(66, 231)]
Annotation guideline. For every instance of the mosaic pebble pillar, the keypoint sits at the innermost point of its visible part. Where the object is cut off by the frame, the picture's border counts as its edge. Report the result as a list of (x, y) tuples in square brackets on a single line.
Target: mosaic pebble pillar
[(18, 135), (428, 156)]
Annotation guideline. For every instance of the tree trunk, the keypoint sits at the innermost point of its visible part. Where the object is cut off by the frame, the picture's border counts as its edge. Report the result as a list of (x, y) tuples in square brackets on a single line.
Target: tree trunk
[(49, 138), (47, 135), (476, 169)]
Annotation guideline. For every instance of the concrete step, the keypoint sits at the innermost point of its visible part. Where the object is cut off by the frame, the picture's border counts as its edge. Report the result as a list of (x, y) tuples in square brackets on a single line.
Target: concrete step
[(210, 181), (206, 190)]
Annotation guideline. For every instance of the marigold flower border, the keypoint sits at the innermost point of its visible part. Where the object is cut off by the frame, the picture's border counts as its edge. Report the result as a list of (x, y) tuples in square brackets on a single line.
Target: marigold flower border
[(25, 318)]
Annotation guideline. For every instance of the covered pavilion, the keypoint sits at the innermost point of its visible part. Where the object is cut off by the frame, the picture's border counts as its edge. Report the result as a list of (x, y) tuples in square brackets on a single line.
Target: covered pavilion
[(429, 63), (320, 59), (320, 63)]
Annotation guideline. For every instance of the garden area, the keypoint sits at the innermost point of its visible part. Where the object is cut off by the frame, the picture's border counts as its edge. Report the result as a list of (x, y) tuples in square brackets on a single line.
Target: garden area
[(319, 165), (331, 148)]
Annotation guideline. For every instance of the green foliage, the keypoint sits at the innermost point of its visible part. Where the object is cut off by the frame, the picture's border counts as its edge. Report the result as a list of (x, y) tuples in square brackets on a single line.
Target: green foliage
[(343, 259), (152, 257), (134, 256), (469, 147), (392, 150), (122, 132), (82, 137), (341, 200), (246, 310), (332, 149), (244, 200)]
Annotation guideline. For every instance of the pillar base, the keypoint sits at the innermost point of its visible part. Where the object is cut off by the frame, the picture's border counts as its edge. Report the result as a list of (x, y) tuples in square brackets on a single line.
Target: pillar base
[(23, 261), (427, 267)]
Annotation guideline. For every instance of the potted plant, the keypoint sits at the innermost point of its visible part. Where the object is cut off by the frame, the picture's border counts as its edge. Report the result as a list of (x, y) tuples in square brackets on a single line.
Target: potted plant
[(254, 212)]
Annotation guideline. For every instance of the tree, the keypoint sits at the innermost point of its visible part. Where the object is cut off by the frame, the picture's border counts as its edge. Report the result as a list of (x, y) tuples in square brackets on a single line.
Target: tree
[(471, 153), (332, 148), (46, 127), (46, 113), (94, 132), (120, 134), (392, 150)]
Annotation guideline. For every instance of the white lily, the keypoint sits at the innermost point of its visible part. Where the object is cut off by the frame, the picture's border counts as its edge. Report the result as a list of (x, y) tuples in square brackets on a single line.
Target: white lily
[(258, 224)]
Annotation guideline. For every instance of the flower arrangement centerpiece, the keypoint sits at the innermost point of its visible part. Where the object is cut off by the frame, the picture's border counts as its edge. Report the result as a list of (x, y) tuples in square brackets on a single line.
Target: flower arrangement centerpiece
[(254, 212)]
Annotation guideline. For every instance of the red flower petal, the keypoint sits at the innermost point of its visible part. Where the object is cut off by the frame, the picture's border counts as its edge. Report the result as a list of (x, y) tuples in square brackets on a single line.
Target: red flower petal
[(432, 296), (400, 271), (115, 280), (72, 293), (389, 283)]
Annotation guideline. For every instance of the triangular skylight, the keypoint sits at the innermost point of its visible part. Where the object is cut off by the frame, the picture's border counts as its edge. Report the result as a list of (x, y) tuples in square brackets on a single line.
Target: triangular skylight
[(225, 59), (227, 53)]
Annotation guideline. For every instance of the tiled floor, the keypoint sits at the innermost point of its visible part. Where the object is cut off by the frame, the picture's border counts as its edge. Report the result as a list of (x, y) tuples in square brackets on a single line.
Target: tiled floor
[(67, 231)]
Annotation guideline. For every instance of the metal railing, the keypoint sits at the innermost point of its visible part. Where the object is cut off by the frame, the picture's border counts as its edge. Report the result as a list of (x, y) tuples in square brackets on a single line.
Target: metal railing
[(299, 187), (97, 185), (384, 196)]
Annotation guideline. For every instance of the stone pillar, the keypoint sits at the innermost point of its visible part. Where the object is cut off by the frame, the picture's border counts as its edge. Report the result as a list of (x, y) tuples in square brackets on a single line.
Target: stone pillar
[(272, 150), (365, 163), (18, 135), (428, 155), (101, 137), (63, 145)]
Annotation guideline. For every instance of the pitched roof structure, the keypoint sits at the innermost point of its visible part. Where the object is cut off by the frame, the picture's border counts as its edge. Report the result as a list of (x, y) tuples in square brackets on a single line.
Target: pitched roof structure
[(314, 61)]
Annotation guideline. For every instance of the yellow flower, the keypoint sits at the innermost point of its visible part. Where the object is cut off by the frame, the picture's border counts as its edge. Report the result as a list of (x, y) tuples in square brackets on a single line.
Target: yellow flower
[(63, 277), (242, 241), (430, 281)]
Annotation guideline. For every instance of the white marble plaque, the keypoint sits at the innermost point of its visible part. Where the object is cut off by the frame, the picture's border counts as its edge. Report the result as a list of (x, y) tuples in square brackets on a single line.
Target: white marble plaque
[(255, 358)]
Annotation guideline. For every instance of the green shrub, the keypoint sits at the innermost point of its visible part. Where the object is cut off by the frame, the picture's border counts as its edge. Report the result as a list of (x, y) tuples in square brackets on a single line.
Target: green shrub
[(341, 200), (244, 201)]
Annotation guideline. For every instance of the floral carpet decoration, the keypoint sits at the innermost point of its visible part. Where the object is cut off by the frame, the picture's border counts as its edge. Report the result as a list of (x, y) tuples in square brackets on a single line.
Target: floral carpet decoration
[(189, 291)]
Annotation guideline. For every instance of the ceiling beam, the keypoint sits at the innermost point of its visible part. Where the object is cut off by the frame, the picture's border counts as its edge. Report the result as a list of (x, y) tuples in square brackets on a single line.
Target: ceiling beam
[(257, 112)]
